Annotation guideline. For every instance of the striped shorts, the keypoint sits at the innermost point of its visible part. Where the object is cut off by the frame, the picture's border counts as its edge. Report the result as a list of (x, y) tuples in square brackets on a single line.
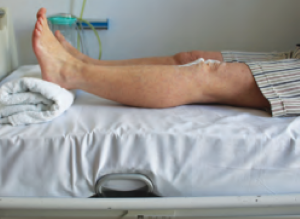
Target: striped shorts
[(277, 75)]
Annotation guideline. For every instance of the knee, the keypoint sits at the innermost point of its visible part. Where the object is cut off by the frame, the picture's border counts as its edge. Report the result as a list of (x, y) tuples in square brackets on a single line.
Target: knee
[(183, 58), (212, 65)]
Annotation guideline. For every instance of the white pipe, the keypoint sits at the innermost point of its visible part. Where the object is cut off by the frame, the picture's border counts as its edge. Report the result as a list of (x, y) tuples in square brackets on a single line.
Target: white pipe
[(8, 46), (72, 7), (149, 203), (2, 13), (3, 19)]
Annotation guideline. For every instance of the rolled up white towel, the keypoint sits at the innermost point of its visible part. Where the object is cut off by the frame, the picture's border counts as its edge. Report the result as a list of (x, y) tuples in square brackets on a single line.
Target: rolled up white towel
[(26, 99)]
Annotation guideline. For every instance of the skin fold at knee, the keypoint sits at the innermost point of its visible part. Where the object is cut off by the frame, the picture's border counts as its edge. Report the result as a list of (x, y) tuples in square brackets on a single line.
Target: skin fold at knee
[(213, 65), (209, 64)]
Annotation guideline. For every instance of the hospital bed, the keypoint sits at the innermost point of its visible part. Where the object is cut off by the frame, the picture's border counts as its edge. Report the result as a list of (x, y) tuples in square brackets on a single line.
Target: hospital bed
[(102, 159)]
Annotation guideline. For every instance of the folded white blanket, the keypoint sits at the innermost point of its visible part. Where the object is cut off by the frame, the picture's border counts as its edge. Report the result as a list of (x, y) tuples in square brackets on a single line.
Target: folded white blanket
[(25, 98)]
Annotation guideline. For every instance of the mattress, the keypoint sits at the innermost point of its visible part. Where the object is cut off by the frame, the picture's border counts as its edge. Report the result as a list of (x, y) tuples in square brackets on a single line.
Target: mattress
[(186, 151)]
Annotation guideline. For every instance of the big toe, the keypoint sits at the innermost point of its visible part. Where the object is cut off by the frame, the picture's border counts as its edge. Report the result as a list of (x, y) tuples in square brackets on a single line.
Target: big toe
[(41, 13), (59, 36)]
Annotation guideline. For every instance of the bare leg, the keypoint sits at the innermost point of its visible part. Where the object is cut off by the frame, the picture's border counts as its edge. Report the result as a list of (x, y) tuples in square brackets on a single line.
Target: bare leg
[(154, 86), (178, 59), (167, 86)]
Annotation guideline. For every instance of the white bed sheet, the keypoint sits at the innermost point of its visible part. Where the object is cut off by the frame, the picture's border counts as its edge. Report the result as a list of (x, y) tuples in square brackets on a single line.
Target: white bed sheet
[(193, 150)]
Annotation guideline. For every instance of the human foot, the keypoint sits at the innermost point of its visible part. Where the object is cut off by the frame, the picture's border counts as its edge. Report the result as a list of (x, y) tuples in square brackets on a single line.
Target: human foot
[(69, 48), (56, 64)]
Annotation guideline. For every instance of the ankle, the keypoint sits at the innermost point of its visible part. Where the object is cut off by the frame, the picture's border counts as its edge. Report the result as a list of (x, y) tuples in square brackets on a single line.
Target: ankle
[(71, 74)]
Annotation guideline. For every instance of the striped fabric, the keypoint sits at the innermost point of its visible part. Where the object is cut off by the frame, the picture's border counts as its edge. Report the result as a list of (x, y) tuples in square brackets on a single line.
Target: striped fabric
[(277, 75), (236, 56)]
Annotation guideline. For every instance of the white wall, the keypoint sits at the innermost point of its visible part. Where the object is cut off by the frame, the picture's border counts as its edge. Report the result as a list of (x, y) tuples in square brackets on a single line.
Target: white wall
[(164, 27)]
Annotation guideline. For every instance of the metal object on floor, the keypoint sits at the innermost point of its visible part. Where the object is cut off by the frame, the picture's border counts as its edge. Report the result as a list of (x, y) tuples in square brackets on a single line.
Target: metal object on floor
[(145, 191)]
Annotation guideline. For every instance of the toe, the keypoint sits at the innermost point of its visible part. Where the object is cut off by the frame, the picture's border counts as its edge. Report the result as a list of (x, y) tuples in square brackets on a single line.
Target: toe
[(39, 25), (37, 32), (41, 13), (59, 36)]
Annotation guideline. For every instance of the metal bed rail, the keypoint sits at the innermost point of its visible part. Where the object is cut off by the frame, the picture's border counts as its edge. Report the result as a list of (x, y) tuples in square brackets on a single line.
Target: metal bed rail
[(286, 206)]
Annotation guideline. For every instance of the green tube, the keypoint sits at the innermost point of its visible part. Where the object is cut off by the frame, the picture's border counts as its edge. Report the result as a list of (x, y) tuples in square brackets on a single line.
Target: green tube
[(82, 9), (97, 35), (81, 15), (91, 26)]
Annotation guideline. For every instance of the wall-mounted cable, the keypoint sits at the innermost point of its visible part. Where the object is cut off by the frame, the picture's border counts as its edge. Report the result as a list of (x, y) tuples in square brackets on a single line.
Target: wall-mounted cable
[(81, 20)]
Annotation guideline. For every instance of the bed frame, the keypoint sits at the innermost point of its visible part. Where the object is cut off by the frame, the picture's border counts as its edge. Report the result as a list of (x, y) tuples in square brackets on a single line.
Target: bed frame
[(286, 206)]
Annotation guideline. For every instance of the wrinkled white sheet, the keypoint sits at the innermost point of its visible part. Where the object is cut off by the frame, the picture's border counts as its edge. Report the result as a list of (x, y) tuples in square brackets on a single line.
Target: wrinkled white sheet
[(189, 150)]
